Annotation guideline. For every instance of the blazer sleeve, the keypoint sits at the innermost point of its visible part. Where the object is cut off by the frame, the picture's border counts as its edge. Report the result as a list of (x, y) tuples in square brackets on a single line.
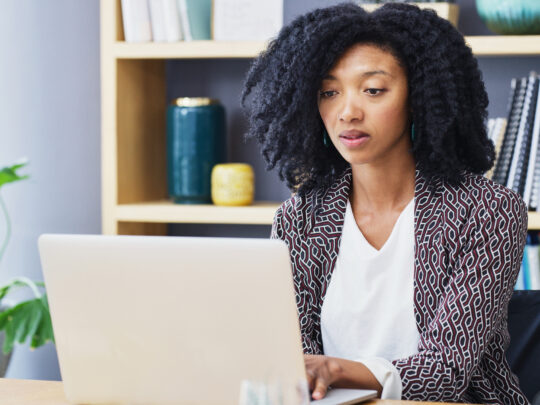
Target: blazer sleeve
[(284, 228), (474, 305)]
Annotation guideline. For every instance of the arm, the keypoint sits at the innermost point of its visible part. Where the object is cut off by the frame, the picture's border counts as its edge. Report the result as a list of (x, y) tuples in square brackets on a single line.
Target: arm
[(474, 305), (283, 228)]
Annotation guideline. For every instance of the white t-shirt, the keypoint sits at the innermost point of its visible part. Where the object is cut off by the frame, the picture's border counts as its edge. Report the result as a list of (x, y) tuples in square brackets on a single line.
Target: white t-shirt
[(368, 311)]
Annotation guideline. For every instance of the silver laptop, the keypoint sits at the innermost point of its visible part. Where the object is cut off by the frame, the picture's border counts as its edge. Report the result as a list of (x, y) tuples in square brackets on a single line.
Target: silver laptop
[(176, 320)]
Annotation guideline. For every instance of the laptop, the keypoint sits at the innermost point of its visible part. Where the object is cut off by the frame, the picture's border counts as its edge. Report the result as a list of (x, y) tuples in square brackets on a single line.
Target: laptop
[(176, 320)]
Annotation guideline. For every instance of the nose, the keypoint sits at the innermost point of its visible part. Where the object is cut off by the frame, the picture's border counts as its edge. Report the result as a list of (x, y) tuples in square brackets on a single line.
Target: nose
[(351, 110)]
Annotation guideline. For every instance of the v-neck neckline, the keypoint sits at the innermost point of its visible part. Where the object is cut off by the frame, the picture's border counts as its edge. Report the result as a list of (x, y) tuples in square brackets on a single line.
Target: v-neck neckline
[(362, 239)]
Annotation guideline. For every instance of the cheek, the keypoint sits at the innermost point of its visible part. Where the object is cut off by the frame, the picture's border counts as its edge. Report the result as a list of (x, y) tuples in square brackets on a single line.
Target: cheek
[(325, 114), (391, 116)]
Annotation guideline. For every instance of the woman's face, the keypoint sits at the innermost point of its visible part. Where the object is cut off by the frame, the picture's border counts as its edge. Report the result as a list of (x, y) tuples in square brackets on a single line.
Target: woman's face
[(363, 104)]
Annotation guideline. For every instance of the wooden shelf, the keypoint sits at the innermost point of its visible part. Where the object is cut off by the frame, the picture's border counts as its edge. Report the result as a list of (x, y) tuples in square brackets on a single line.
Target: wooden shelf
[(534, 221), (133, 90), (489, 45), (188, 50), (504, 45), (260, 213)]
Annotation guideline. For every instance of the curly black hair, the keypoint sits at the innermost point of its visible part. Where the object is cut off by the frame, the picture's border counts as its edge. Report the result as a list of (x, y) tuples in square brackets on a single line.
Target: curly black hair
[(446, 92)]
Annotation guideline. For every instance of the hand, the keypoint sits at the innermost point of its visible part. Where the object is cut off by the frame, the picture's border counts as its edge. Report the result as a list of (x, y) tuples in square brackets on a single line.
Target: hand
[(324, 371), (321, 372)]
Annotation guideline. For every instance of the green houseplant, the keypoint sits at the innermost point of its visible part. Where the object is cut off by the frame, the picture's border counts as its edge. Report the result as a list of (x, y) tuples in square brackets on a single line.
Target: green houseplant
[(29, 319)]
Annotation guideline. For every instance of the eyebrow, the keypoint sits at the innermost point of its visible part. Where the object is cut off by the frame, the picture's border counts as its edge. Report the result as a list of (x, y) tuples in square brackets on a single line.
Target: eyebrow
[(365, 74)]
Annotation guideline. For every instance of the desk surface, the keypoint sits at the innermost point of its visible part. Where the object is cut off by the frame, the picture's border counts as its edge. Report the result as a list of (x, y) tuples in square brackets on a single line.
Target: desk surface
[(32, 392)]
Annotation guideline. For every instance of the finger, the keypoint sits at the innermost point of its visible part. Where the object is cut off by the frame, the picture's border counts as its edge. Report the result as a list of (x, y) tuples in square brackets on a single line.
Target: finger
[(321, 387), (310, 379)]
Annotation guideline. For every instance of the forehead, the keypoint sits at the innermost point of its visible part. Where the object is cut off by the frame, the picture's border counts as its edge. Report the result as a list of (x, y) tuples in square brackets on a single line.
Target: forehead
[(361, 58)]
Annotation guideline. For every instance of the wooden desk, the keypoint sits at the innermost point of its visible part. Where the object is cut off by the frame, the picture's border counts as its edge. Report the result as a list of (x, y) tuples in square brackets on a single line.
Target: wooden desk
[(32, 392)]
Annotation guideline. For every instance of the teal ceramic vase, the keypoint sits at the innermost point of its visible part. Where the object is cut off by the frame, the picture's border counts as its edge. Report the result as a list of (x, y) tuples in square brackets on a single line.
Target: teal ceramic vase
[(510, 17), (195, 143)]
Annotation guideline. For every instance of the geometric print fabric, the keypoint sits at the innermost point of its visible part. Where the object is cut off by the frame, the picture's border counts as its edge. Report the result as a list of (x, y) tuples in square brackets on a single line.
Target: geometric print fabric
[(469, 241)]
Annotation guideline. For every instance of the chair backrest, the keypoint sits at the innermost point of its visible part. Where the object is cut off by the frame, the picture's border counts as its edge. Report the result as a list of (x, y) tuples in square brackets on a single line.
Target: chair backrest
[(524, 351)]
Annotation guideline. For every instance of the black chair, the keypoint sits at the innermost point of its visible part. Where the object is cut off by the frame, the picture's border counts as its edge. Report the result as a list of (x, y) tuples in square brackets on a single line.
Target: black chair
[(524, 351)]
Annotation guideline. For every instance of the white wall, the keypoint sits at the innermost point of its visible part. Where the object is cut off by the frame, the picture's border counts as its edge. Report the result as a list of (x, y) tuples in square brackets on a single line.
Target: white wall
[(50, 113)]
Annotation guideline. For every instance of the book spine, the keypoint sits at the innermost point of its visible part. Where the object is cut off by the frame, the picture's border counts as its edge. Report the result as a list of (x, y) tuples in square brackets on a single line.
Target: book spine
[(199, 16), (490, 125), (496, 137), (136, 21), (533, 172), (520, 154), (529, 126), (165, 20), (520, 284), (173, 32), (503, 162), (534, 267), (184, 18), (526, 270), (157, 17)]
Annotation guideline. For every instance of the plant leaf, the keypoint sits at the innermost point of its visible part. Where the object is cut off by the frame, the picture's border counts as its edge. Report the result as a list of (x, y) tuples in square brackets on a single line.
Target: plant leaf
[(9, 174), (27, 320), (44, 331)]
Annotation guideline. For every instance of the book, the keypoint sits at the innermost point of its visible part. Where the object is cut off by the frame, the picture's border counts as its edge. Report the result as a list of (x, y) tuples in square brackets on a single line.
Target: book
[(496, 136), (489, 129), (520, 157), (525, 270), (136, 21), (520, 282), (533, 172), (533, 277), (517, 97), (165, 19), (236, 20), (195, 18)]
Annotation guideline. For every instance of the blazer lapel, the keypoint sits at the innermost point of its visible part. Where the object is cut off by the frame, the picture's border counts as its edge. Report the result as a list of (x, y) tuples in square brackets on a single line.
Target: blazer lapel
[(324, 235)]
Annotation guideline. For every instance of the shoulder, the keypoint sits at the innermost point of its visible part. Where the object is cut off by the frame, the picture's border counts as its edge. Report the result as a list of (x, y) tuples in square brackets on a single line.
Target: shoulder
[(299, 212), (296, 207), (481, 190), (486, 198)]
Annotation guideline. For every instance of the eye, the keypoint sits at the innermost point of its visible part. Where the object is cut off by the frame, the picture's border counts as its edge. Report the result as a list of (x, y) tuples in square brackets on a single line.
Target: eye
[(374, 92), (327, 94)]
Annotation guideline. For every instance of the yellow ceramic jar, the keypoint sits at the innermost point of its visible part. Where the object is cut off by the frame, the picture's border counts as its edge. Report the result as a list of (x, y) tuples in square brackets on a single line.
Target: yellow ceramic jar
[(232, 184)]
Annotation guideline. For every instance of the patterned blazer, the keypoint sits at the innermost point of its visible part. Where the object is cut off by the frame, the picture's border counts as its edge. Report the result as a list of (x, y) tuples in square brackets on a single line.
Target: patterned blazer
[(469, 242)]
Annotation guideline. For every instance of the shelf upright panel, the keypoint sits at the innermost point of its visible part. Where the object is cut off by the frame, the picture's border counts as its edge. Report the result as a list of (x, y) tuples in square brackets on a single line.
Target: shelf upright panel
[(133, 128), (109, 33)]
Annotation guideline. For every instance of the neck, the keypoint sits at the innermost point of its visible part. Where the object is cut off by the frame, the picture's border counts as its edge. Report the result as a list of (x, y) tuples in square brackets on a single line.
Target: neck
[(383, 187)]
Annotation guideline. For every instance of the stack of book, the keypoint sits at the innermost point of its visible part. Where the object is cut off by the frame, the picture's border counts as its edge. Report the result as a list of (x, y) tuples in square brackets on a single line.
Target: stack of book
[(517, 141), (529, 274), (166, 20), (187, 20)]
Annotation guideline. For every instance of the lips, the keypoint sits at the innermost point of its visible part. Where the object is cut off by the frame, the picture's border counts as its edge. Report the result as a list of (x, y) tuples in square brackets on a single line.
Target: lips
[(353, 137)]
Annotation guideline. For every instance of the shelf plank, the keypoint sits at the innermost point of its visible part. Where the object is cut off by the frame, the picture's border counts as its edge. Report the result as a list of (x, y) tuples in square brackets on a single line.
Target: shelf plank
[(488, 45), (260, 213), (504, 45), (534, 221), (188, 50)]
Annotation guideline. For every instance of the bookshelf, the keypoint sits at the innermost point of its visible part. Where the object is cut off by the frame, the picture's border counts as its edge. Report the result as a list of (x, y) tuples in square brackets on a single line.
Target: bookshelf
[(133, 91)]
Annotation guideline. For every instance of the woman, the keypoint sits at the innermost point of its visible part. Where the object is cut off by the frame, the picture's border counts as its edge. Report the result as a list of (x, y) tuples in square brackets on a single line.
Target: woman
[(404, 256)]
